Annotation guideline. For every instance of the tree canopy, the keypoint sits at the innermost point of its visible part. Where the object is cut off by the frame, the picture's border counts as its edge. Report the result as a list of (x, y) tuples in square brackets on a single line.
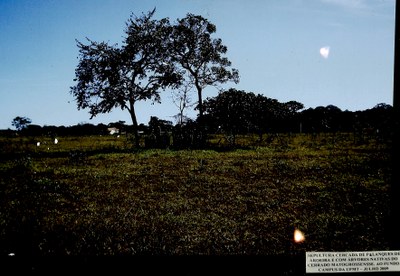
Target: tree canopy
[(109, 76), (21, 122), (200, 56), (237, 111)]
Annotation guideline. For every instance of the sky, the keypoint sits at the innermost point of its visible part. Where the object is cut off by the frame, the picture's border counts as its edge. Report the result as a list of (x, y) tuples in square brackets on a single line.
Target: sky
[(316, 52)]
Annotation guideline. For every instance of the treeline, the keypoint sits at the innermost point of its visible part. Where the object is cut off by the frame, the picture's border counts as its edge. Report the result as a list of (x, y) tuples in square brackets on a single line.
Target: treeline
[(235, 112), (239, 112)]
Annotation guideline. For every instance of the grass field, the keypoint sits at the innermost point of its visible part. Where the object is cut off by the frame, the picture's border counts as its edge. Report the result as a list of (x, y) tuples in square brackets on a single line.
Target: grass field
[(98, 196)]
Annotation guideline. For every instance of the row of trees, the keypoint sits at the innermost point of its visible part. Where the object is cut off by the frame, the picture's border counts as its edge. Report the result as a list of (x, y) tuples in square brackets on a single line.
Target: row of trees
[(236, 112), (155, 55), (239, 112)]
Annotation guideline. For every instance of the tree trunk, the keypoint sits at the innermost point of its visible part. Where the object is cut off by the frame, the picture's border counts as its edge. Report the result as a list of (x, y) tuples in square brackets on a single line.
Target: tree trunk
[(134, 122), (201, 137), (200, 105)]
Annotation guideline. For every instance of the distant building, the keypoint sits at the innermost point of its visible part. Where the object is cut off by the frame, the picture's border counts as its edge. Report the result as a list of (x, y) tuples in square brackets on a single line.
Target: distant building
[(113, 130)]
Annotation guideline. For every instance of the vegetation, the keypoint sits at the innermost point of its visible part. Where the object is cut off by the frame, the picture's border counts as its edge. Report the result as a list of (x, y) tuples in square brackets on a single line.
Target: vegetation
[(109, 76), (96, 195), (21, 122), (200, 57), (233, 113), (155, 55)]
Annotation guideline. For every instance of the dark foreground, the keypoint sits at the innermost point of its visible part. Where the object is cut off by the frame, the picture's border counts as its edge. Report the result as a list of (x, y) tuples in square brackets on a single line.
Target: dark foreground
[(94, 202)]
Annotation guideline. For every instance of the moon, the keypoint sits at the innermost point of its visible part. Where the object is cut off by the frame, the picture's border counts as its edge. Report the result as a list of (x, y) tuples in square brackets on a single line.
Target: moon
[(324, 52)]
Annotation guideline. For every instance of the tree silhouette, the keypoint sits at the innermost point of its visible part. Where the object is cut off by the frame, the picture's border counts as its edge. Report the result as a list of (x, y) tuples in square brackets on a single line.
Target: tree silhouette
[(265, 113), (109, 76), (231, 110), (236, 111), (20, 122), (200, 56)]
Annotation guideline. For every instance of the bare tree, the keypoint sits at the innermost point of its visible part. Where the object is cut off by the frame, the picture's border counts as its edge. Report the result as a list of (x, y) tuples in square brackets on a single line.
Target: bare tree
[(182, 100)]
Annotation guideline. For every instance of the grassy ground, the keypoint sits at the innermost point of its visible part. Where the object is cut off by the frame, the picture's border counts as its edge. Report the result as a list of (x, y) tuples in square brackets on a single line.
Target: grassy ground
[(96, 196)]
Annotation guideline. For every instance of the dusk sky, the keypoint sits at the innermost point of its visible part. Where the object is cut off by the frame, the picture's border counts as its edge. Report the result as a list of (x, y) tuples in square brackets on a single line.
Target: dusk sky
[(317, 52)]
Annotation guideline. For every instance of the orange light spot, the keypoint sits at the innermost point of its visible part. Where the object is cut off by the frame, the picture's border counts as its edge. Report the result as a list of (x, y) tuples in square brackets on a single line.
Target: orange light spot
[(298, 236)]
